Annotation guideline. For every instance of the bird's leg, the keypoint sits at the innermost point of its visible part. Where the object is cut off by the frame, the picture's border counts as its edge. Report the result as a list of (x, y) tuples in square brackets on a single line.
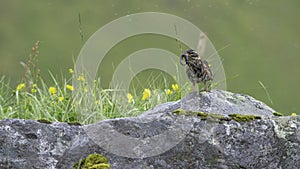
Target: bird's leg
[(195, 87)]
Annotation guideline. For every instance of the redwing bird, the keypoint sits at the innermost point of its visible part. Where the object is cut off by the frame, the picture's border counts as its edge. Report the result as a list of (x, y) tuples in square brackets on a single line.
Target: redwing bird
[(197, 69)]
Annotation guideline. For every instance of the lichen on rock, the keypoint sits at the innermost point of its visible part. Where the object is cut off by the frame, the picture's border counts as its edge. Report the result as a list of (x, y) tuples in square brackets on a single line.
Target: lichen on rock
[(93, 161), (243, 117)]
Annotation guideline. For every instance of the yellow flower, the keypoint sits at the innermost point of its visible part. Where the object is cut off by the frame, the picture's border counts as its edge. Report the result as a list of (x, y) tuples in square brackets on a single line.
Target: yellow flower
[(70, 87), (130, 98), (81, 78), (21, 86), (71, 71), (61, 99), (169, 92), (34, 87), (175, 87), (98, 102), (293, 114), (146, 94), (52, 90)]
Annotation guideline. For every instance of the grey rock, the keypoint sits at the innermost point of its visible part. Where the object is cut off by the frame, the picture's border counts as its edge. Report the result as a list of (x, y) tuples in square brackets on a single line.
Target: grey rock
[(160, 138), (216, 101)]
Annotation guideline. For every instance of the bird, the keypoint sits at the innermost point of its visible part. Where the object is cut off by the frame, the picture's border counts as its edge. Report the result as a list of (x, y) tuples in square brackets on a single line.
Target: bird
[(197, 69)]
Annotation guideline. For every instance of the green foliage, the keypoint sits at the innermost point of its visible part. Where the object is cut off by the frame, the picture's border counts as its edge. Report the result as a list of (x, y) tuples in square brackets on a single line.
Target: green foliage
[(34, 99), (57, 103)]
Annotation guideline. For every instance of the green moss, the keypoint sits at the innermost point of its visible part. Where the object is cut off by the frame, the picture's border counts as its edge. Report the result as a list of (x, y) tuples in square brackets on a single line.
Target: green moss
[(74, 123), (93, 161), (44, 121), (218, 117), (243, 117), (202, 115), (179, 111), (100, 166), (277, 114)]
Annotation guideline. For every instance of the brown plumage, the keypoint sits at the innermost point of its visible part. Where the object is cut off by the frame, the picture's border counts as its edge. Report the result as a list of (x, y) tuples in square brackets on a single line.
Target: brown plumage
[(197, 69)]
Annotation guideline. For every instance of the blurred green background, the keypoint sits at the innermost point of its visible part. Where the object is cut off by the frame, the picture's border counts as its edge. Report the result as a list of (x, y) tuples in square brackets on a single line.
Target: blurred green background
[(263, 38)]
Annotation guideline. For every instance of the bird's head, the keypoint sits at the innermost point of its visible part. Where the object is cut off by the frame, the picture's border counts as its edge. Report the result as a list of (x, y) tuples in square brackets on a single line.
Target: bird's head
[(189, 54)]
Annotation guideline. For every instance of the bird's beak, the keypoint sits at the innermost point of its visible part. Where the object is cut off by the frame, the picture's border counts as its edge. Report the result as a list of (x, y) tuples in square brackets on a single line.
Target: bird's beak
[(185, 59)]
